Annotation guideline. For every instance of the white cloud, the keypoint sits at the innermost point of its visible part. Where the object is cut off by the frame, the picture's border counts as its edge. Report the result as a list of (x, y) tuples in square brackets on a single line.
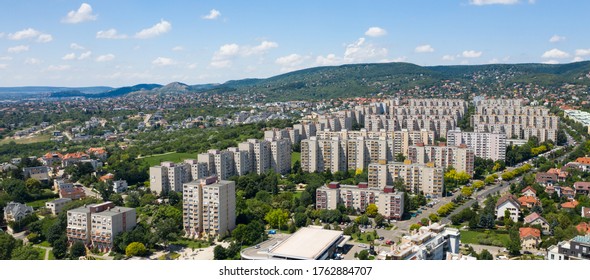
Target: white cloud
[(578, 59), (471, 54), (260, 49), (69, 56), (213, 14), (424, 49), (555, 53), (58, 67), (330, 59), (375, 32), (84, 55), (24, 34), (220, 63), (556, 38), (192, 66), (582, 52), (5, 58), (448, 57), (44, 38), (110, 34), (163, 61), (84, 13), (397, 59), (32, 61), (75, 46), (3, 66), (551, 61), (178, 48), (360, 51), (158, 29), (493, 61), (492, 2), (18, 49), (105, 58), (226, 51), (290, 62)]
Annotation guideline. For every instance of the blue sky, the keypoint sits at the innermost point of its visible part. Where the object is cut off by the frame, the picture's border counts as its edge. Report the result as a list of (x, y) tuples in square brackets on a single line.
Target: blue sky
[(117, 43)]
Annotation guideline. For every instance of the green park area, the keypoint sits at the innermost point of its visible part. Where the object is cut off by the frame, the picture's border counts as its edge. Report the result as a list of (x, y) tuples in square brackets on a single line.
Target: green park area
[(173, 156)]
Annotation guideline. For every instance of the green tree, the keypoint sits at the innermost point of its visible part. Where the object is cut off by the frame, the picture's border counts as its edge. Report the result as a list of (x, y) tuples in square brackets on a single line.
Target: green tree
[(485, 255), (77, 250), (363, 255), (135, 249), (514, 242), (25, 253), (434, 217), (379, 220), (466, 191), (7, 245), (363, 220), (277, 218), (372, 210), (400, 157), (219, 253), (414, 227), (60, 248)]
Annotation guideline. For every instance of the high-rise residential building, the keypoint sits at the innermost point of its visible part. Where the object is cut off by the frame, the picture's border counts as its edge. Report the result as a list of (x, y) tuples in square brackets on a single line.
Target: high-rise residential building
[(389, 202), (485, 145), (416, 177), (224, 164), (209, 207), (97, 225), (280, 160), (206, 164), (241, 161), (261, 156), (168, 176), (462, 158)]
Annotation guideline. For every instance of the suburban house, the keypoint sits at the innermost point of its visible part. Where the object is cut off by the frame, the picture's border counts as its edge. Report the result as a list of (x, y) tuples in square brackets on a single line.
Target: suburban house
[(99, 153), (40, 173), (576, 248), (568, 192), (72, 193), (510, 203), (529, 191), (119, 186), (108, 176), (14, 211), (49, 159), (73, 158), (550, 189), (585, 212), (57, 205), (545, 178), (583, 228), (561, 175), (529, 237), (536, 219), (582, 188), (570, 205), (528, 201)]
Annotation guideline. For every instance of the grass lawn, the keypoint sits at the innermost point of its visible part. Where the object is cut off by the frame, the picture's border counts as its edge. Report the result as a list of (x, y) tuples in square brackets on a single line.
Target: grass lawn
[(297, 194), (45, 244), (489, 237), (34, 139), (193, 244), (171, 256), (39, 203), (174, 157), (362, 237), (41, 253), (295, 156), (51, 256)]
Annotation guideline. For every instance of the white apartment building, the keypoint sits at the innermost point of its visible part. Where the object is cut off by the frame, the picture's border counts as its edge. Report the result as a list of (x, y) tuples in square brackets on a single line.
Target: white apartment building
[(416, 177), (431, 242), (209, 207), (485, 145), (389, 203), (168, 176), (280, 160), (462, 158), (120, 186), (57, 205)]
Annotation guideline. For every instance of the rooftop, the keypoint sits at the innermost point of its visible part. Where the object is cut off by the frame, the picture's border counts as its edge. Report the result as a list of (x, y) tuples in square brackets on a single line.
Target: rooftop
[(307, 243)]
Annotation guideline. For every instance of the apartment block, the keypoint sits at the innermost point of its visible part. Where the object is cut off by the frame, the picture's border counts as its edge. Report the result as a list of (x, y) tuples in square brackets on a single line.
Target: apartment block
[(209, 207), (241, 161), (280, 160), (460, 157), (168, 176), (389, 203), (416, 177), (485, 145), (57, 205), (97, 225)]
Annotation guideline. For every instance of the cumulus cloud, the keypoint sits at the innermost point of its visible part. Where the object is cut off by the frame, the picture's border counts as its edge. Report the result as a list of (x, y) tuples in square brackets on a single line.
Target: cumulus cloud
[(397, 59), (578, 59), (156, 30), (375, 32), (110, 34), (290, 62), (213, 14), (260, 49), (84, 13), (105, 57), (424, 49), (30, 33), (5, 58), (555, 53), (75, 46), (3, 66), (493, 2), (84, 55), (70, 56), (360, 51), (44, 38), (471, 54), (163, 61), (18, 49), (178, 48), (221, 58), (32, 61), (582, 52), (556, 38), (58, 67), (220, 63), (448, 57), (330, 59), (551, 61)]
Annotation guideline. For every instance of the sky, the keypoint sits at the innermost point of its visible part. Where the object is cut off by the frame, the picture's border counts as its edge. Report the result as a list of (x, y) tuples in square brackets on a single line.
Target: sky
[(120, 43)]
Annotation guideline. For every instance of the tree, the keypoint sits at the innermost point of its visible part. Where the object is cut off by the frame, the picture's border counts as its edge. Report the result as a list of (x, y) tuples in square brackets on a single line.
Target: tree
[(305, 199), (514, 242), (379, 220), (7, 245), (33, 185), (249, 234), (363, 255), (77, 250), (104, 189), (415, 227), (466, 191), (219, 253), (434, 217), (25, 253), (277, 218), (363, 220), (485, 255), (300, 219), (400, 157), (135, 249), (60, 248), (372, 210)]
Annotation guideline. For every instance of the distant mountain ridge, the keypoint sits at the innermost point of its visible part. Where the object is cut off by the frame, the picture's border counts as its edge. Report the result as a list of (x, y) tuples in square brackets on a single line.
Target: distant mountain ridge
[(347, 81)]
